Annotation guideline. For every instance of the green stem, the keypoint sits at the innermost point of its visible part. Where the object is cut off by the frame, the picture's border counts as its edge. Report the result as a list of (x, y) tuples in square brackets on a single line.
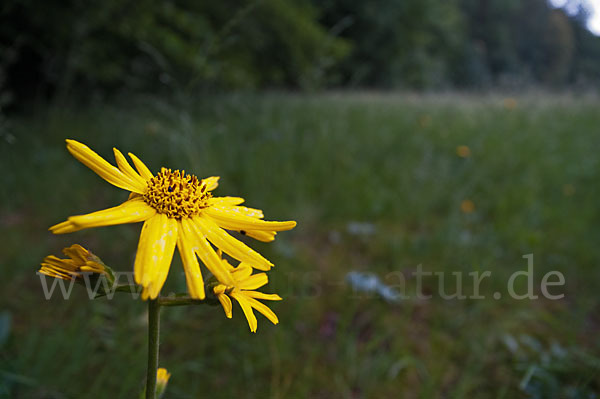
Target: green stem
[(153, 334)]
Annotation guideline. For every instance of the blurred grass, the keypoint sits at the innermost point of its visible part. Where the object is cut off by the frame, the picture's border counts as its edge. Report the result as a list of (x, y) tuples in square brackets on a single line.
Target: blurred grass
[(326, 161)]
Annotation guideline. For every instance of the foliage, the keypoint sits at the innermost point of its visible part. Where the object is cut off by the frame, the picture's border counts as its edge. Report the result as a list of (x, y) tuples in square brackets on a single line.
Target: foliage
[(520, 42), (397, 43), (464, 43), (148, 45), (56, 47)]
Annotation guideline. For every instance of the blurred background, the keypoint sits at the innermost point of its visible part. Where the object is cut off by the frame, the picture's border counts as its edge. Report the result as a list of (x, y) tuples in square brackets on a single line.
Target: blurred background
[(459, 135)]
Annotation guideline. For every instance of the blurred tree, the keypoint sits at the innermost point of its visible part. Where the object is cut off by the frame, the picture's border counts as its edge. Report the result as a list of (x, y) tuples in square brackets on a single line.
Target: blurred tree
[(523, 42), (585, 70), (50, 48), (56, 45), (396, 42), (464, 43), (490, 45), (273, 43)]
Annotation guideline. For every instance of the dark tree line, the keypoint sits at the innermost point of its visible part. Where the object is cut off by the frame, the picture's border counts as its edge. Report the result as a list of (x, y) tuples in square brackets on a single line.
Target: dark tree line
[(463, 43), (59, 46)]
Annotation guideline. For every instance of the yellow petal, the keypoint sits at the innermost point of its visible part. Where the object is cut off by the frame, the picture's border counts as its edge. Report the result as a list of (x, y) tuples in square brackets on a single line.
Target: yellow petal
[(211, 182), (92, 267), (57, 264), (193, 275), (225, 263), (242, 210), (242, 272), (154, 254), (95, 162), (253, 282), (219, 289), (162, 376), (55, 274), (264, 309), (229, 218), (145, 293), (261, 295), (226, 303), (247, 309), (131, 211), (64, 227), (77, 253), (141, 167), (166, 246), (139, 266), (127, 169), (206, 253), (134, 196), (264, 236), (225, 201), (237, 249)]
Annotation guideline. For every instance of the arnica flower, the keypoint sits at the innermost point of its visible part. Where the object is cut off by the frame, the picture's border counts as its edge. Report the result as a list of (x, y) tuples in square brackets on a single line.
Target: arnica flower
[(177, 210), (162, 378), (467, 206), (463, 151), (80, 261), (242, 290)]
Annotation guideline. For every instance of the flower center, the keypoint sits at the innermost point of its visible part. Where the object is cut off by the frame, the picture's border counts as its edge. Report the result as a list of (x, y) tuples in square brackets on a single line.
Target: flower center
[(176, 195)]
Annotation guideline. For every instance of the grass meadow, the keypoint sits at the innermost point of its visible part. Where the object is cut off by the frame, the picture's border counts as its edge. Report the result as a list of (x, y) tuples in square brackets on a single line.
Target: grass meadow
[(376, 185)]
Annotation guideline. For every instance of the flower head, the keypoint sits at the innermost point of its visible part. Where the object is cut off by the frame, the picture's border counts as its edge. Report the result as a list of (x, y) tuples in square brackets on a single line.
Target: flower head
[(177, 210), (463, 151), (467, 206), (162, 378), (80, 261), (242, 290)]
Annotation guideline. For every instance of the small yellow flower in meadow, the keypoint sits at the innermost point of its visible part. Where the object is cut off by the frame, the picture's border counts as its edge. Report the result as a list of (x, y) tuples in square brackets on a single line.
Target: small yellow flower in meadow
[(177, 210), (510, 103), (467, 206), (242, 290), (162, 378), (463, 151), (568, 190), (80, 261)]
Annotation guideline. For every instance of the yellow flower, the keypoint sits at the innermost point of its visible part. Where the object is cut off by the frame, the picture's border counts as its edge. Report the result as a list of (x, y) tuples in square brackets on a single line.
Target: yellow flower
[(467, 206), (81, 261), (463, 151), (242, 290), (177, 210), (162, 378)]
